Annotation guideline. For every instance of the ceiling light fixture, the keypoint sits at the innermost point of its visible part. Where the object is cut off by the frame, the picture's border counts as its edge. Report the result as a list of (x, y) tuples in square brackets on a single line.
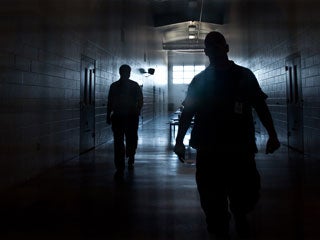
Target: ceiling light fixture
[(192, 28), (192, 36)]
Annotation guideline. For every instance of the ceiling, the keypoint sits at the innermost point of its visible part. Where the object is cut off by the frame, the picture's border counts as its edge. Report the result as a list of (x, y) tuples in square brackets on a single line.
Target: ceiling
[(180, 20)]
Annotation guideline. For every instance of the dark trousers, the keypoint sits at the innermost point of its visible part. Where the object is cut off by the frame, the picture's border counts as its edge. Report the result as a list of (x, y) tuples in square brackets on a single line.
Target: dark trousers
[(226, 181), (125, 135)]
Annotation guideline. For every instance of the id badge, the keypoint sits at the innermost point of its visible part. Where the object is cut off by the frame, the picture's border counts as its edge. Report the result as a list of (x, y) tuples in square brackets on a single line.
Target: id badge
[(238, 107)]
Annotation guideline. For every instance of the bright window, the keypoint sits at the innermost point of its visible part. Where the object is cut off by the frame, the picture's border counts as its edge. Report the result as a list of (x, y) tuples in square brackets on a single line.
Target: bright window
[(185, 73)]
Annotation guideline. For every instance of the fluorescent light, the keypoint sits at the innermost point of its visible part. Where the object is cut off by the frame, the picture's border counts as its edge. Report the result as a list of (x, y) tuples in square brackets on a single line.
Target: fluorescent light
[(192, 28), (192, 36)]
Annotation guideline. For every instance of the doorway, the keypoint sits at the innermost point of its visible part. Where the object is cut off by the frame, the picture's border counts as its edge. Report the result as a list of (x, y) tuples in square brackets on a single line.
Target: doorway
[(87, 104), (294, 102)]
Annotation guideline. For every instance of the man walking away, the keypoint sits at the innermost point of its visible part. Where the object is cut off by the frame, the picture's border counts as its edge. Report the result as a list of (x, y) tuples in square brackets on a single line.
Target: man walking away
[(124, 105)]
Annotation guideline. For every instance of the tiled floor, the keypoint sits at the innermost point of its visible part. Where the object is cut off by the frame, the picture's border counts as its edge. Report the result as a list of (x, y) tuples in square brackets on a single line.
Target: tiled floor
[(158, 200)]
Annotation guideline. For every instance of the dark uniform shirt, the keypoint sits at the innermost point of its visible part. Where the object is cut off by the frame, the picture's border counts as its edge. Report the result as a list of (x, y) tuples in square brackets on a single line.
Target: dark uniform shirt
[(222, 101), (125, 98)]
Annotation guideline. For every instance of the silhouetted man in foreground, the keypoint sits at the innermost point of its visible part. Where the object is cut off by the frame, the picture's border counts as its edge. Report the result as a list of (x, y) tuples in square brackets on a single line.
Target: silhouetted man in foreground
[(221, 98), (125, 101)]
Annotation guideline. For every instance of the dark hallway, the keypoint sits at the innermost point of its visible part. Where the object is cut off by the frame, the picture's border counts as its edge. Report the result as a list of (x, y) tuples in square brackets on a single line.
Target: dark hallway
[(157, 200), (57, 62)]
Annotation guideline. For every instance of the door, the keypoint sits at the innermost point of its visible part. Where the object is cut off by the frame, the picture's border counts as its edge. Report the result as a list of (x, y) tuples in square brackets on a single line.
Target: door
[(294, 102), (87, 104)]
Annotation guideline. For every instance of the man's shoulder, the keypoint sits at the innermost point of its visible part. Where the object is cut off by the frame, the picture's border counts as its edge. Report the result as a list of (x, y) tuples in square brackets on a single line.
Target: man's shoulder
[(132, 82), (200, 76), (241, 69), (128, 82), (116, 83)]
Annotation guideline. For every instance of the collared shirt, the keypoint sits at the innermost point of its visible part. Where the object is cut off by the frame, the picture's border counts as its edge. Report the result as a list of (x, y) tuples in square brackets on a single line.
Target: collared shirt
[(125, 98), (222, 101)]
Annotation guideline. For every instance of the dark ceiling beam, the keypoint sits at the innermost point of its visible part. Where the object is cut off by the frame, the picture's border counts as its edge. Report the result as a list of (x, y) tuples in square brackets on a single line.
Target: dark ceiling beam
[(176, 11)]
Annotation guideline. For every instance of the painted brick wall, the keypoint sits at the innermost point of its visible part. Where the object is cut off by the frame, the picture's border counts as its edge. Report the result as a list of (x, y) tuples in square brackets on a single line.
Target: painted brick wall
[(293, 27), (40, 57), (261, 35)]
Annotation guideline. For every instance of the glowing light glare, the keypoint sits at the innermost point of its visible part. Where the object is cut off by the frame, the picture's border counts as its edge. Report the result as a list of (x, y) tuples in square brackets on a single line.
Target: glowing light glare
[(162, 80), (161, 75), (192, 36), (183, 74)]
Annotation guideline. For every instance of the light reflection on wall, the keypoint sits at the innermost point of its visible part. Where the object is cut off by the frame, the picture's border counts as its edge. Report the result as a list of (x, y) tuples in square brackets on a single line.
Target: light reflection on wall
[(161, 75)]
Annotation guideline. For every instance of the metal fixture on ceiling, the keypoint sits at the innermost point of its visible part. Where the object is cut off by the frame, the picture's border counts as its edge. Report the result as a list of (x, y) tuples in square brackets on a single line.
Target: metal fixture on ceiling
[(187, 35), (184, 24), (192, 31)]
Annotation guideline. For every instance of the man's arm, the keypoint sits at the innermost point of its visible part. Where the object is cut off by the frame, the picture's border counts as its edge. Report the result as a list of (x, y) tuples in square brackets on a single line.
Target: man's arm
[(140, 99), (109, 106), (266, 119), (184, 124)]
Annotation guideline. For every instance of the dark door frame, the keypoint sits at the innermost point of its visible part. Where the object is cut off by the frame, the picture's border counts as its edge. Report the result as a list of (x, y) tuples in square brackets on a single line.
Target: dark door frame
[(87, 104), (294, 102)]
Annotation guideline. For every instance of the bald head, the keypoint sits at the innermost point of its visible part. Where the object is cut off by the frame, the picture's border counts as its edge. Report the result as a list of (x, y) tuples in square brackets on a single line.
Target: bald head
[(215, 39), (216, 47)]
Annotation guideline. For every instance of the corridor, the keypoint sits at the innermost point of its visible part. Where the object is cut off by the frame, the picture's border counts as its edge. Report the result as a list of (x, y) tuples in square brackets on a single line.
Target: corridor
[(158, 200)]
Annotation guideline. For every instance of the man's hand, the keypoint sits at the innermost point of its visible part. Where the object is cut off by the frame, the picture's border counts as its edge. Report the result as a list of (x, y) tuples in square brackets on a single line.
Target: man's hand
[(180, 150), (272, 145), (108, 120)]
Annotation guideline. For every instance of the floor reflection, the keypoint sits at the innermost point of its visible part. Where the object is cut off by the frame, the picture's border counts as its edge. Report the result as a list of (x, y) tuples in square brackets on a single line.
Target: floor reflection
[(158, 200)]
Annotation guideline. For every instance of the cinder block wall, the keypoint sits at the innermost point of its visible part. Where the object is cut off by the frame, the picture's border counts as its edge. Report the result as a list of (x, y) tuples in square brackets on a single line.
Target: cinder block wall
[(279, 31), (265, 33), (41, 46)]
